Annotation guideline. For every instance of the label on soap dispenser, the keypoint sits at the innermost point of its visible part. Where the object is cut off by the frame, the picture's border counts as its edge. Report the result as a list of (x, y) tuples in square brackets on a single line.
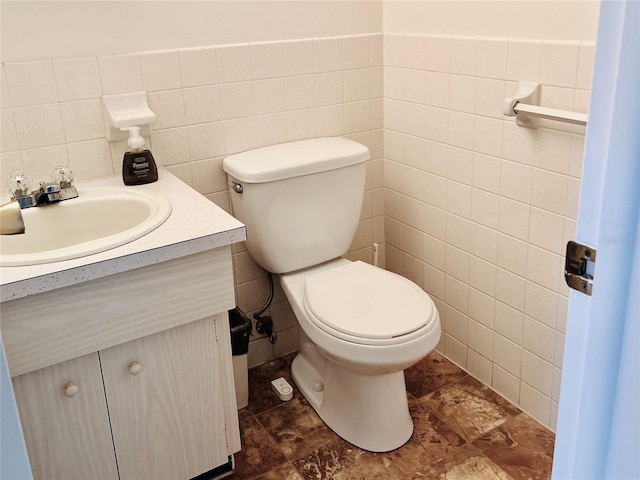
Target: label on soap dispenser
[(140, 167)]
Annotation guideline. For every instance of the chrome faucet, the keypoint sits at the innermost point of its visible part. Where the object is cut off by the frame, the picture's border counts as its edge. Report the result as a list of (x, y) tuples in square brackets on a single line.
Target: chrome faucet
[(57, 190)]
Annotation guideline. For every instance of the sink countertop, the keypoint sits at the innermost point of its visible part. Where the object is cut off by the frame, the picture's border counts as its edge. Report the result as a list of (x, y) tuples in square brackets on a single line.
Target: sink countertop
[(195, 225)]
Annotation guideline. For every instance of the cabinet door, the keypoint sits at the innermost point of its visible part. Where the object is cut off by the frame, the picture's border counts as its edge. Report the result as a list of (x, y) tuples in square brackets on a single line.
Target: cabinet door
[(165, 403), (64, 417)]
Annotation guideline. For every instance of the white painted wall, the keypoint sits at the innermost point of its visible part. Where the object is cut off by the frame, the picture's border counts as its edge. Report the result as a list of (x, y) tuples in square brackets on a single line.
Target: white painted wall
[(551, 20), (53, 29)]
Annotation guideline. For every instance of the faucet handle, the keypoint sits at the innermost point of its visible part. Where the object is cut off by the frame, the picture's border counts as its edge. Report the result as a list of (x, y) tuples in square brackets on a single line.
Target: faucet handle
[(62, 175), (19, 184)]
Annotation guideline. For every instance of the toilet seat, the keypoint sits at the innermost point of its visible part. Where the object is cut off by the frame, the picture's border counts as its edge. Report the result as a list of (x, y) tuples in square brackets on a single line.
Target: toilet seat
[(364, 304)]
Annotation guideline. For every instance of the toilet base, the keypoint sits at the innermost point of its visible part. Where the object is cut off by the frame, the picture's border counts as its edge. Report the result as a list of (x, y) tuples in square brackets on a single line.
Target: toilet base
[(368, 411)]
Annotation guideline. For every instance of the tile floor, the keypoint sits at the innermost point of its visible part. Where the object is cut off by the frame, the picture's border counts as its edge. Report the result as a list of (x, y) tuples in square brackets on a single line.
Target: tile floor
[(463, 430)]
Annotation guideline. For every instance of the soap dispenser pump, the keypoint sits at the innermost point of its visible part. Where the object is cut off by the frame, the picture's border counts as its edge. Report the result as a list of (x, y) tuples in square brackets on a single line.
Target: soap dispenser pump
[(138, 165)]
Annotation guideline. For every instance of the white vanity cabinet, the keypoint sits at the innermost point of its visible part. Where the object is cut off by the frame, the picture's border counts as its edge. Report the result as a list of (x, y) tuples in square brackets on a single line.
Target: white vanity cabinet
[(127, 376)]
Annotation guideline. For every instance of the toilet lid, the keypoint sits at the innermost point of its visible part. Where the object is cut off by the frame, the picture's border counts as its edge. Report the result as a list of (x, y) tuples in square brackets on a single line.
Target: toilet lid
[(364, 301)]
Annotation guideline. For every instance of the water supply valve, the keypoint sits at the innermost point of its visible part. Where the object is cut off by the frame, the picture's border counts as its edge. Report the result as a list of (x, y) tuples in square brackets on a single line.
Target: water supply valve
[(264, 326)]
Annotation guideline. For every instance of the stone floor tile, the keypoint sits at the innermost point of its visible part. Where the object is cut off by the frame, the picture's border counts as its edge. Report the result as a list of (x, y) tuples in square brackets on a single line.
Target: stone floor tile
[(521, 447), (259, 453), (342, 461), (469, 407), (283, 472), (288, 441), (463, 464), (261, 395), (296, 428), (431, 440), (430, 373)]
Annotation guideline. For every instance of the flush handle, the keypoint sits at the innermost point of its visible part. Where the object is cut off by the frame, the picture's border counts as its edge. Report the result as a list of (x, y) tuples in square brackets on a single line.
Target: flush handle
[(579, 267), (236, 187)]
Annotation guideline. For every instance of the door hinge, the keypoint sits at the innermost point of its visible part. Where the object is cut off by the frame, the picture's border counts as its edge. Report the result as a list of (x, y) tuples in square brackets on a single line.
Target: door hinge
[(579, 266)]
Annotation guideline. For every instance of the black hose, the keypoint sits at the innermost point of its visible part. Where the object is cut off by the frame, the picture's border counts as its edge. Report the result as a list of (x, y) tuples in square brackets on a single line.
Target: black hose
[(269, 300)]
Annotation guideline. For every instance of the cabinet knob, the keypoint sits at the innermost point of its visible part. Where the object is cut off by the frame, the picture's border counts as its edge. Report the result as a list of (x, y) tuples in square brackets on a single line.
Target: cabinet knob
[(71, 389), (135, 368)]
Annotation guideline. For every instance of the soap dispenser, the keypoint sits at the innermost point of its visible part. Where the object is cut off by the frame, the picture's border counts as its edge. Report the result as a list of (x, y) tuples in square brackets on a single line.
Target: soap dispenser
[(138, 165)]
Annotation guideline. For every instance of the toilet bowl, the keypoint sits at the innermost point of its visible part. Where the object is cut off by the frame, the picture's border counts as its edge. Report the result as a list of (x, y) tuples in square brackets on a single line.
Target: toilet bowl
[(361, 326)]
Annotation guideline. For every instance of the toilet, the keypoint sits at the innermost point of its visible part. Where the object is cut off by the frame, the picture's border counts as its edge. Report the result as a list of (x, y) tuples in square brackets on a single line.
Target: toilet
[(360, 325)]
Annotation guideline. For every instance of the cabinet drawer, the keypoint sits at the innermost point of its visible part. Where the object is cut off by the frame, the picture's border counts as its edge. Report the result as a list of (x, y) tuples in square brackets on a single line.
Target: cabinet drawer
[(48, 328)]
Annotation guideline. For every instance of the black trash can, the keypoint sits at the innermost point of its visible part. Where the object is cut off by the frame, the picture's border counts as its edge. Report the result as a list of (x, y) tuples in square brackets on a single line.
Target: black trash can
[(241, 328)]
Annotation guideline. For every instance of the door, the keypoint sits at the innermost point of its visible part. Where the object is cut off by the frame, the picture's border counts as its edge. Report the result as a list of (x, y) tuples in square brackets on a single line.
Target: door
[(65, 423), (165, 402), (598, 421), (14, 462)]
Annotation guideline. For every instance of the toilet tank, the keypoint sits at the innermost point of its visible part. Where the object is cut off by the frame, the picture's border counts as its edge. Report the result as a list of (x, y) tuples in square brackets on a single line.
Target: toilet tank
[(300, 201)]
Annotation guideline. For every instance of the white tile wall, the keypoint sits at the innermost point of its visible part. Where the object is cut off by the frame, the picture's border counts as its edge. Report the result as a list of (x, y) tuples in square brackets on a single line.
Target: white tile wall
[(160, 70), (210, 101), (327, 54), (77, 79), (9, 138), (31, 83), (267, 60), (234, 63), (38, 125), (198, 66), (499, 202), (470, 206), (120, 74)]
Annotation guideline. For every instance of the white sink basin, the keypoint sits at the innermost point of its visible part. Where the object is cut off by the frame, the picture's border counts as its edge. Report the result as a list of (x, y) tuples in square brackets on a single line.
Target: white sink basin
[(99, 219)]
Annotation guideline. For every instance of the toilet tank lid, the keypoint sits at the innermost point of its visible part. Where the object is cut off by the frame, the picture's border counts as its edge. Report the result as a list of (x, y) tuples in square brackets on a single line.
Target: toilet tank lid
[(294, 159)]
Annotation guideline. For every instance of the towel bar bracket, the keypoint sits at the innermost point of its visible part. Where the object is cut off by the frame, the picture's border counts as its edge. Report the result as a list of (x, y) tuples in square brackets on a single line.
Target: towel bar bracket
[(525, 106)]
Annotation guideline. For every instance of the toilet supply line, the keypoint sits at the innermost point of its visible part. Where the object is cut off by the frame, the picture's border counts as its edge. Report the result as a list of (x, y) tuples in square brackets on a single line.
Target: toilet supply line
[(264, 323)]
